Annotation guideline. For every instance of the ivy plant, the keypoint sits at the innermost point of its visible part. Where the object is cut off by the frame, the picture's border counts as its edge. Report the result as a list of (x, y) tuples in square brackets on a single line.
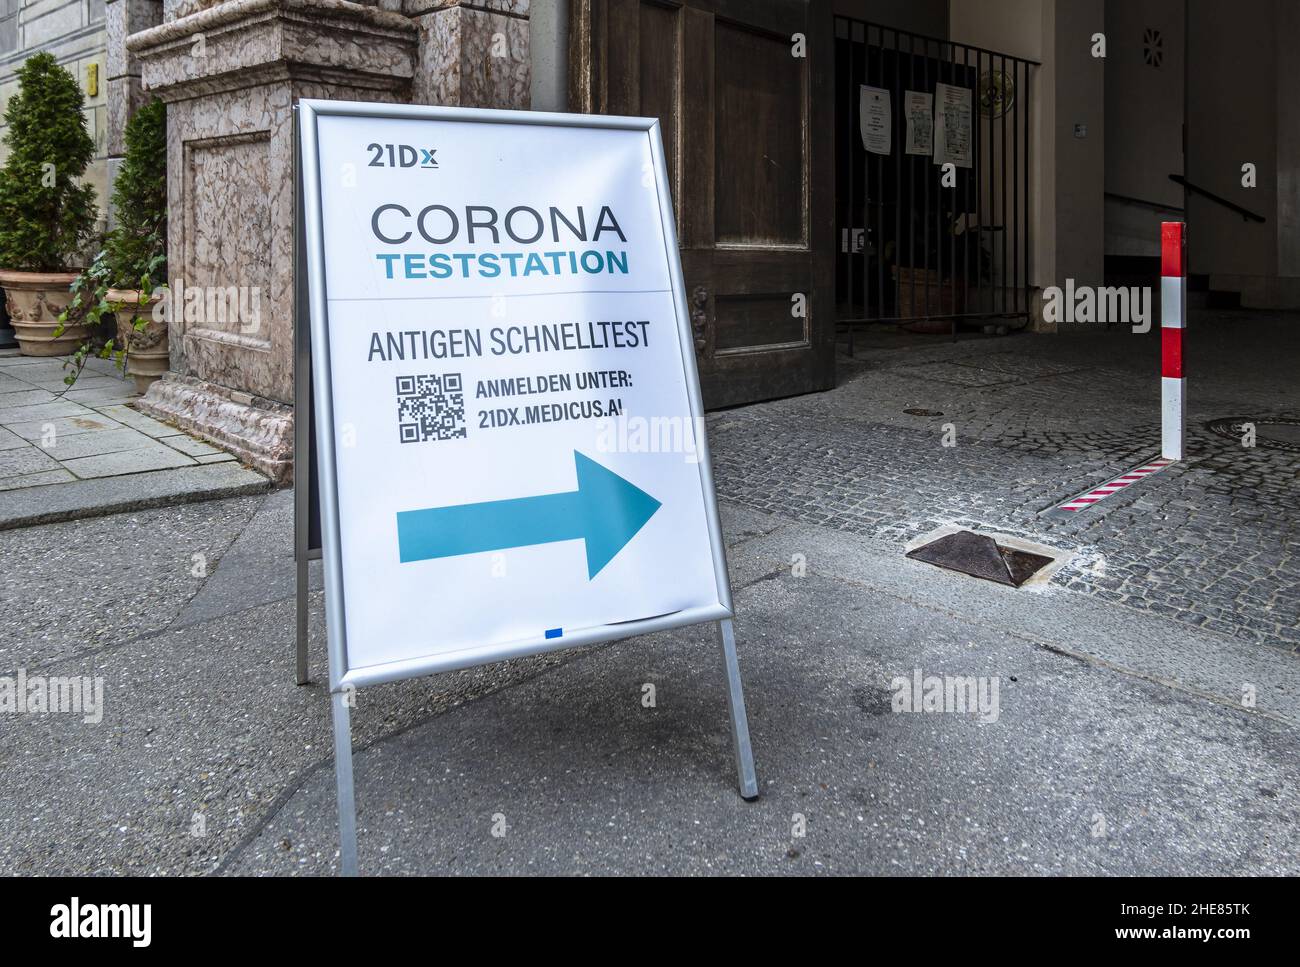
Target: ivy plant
[(134, 255)]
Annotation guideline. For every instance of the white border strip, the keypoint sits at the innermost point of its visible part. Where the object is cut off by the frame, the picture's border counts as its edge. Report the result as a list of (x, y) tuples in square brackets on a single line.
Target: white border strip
[(1089, 497)]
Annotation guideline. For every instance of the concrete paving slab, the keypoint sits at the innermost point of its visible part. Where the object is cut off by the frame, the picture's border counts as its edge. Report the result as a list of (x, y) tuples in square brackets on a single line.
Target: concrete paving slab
[(39, 479), (51, 380), (10, 415), (137, 420), (46, 419), (10, 440), (123, 392), (154, 456), (19, 365), (87, 380), (34, 367), (189, 445), (102, 367), (14, 463), (73, 445), (88, 422), (25, 397)]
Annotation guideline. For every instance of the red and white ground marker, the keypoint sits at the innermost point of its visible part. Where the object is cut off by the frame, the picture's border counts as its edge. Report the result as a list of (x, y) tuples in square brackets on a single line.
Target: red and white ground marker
[(1089, 497), (1173, 320), (1173, 399)]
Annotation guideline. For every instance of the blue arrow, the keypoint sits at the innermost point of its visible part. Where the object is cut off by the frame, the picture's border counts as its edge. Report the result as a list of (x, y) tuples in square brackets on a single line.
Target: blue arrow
[(605, 511)]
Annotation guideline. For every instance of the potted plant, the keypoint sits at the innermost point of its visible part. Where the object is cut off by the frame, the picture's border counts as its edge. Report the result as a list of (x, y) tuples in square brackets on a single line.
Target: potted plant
[(46, 215), (122, 283)]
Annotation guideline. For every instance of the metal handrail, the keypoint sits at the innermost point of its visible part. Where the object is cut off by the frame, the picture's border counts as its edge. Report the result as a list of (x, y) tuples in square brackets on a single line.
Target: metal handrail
[(1245, 213), (1129, 199)]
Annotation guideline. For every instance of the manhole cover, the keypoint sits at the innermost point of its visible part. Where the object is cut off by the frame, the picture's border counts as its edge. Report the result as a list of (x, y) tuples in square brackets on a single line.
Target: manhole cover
[(917, 411), (1272, 433), (981, 557)]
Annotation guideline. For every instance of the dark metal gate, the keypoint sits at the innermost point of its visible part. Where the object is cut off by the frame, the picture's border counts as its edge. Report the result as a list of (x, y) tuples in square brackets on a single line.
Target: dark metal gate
[(912, 251)]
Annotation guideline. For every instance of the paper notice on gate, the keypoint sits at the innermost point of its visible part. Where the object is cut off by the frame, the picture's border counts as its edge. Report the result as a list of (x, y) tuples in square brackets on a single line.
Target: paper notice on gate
[(918, 109), (875, 119), (952, 125)]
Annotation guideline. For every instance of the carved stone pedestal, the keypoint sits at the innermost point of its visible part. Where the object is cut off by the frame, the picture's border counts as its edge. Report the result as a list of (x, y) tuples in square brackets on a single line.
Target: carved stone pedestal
[(230, 73)]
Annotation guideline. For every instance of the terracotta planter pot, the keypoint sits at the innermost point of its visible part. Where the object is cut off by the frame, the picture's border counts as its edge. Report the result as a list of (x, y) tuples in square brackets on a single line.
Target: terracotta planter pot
[(146, 351), (34, 301)]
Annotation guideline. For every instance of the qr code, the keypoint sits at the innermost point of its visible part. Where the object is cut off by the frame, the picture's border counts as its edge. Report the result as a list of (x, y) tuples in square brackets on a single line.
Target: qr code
[(430, 408)]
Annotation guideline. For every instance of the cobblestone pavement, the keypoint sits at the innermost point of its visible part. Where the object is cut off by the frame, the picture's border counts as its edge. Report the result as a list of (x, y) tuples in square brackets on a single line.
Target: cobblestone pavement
[(1035, 419)]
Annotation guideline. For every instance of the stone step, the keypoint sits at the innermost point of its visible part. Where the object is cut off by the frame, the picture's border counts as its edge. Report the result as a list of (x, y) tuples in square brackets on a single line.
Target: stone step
[(80, 499)]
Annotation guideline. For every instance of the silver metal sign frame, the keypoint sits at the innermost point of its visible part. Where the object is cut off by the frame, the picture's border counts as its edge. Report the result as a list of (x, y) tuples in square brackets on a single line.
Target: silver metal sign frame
[(343, 680), (303, 469)]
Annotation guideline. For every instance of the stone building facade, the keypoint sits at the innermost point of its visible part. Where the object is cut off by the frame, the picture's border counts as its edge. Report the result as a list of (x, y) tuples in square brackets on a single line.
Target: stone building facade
[(749, 94), (76, 33)]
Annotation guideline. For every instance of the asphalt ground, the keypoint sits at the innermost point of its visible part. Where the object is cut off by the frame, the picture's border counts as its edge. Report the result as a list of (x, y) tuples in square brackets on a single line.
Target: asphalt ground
[(1120, 742)]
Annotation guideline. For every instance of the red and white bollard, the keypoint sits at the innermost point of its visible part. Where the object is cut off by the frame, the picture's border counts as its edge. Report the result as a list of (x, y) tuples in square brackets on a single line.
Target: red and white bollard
[(1173, 319)]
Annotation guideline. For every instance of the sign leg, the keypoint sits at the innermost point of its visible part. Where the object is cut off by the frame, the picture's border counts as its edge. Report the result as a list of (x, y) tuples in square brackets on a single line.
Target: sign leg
[(736, 710), (343, 773), (301, 615)]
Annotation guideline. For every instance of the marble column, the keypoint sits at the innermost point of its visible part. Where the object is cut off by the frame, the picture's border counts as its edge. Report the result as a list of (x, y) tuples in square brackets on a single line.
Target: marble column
[(230, 73), (124, 92), (473, 53)]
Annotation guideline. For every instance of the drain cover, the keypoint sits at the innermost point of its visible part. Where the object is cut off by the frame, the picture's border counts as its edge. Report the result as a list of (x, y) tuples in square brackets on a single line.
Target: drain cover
[(981, 557), (1271, 433)]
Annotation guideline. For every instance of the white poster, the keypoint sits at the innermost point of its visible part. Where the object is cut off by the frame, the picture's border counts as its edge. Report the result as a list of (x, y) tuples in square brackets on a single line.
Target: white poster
[(875, 119), (516, 449), (952, 125), (918, 108)]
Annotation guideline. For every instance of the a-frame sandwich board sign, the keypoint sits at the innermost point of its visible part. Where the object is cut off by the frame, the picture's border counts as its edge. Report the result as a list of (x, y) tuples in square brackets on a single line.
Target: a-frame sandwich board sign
[(508, 424)]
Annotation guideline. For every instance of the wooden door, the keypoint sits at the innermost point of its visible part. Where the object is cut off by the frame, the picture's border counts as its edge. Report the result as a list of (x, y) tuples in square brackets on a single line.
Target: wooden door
[(747, 126)]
